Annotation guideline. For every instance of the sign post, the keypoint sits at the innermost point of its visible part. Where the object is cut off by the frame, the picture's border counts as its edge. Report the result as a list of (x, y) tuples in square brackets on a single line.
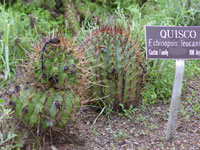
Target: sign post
[(177, 43), (178, 80)]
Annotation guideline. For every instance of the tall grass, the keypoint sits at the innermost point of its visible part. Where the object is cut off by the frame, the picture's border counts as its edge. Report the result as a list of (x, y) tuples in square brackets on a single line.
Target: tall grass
[(5, 42)]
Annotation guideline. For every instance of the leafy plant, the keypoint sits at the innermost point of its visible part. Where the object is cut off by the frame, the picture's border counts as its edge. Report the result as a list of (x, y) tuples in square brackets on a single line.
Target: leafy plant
[(130, 112)]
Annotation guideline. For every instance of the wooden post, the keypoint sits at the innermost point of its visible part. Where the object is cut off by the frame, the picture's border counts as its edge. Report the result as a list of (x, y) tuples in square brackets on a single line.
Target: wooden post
[(178, 80)]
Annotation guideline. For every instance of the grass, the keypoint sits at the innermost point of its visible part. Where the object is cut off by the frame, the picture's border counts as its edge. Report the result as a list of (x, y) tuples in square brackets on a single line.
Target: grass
[(22, 27), (5, 44)]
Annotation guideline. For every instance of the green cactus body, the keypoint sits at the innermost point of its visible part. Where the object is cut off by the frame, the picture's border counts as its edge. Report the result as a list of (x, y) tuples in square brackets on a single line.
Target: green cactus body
[(23, 99), (52, 95), (51, 108), (115, 61), (68, 107), (59, 67)]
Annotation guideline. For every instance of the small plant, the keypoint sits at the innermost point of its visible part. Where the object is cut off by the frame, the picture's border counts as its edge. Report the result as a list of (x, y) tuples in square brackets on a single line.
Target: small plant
[(196, 108), (4, 52), (153, 126), (143, 132), (130, 112), (142, 119), (7, 134), (121, 135)]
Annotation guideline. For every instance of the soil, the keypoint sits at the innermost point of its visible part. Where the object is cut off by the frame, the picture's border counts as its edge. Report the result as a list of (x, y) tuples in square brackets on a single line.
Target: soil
[(137, 130)]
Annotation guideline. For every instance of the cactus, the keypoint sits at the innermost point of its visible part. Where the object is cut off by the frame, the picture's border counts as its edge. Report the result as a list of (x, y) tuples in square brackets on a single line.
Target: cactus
[(55, 66), (116, 60), (46, 109), (53, 87)]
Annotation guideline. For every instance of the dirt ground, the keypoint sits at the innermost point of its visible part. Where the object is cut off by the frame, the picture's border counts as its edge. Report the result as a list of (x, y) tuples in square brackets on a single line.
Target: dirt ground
[(137, 131)]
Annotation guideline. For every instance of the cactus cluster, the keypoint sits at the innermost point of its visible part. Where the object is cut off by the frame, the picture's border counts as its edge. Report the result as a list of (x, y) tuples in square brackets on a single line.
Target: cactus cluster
[(116, 62), (106, 66), (54, 90)]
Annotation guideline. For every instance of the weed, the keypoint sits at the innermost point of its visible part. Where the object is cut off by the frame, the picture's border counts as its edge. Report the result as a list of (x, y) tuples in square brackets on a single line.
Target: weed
[(130, 112), (142, 119), (7, 135), (196, 108), (120, 135), (19, 30), (153, 126), (143, 132)]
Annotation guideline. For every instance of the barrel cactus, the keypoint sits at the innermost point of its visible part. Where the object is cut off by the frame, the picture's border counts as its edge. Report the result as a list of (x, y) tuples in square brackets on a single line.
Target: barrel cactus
[(48, 108), (53, 88), (54, 65), (117, 64)]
